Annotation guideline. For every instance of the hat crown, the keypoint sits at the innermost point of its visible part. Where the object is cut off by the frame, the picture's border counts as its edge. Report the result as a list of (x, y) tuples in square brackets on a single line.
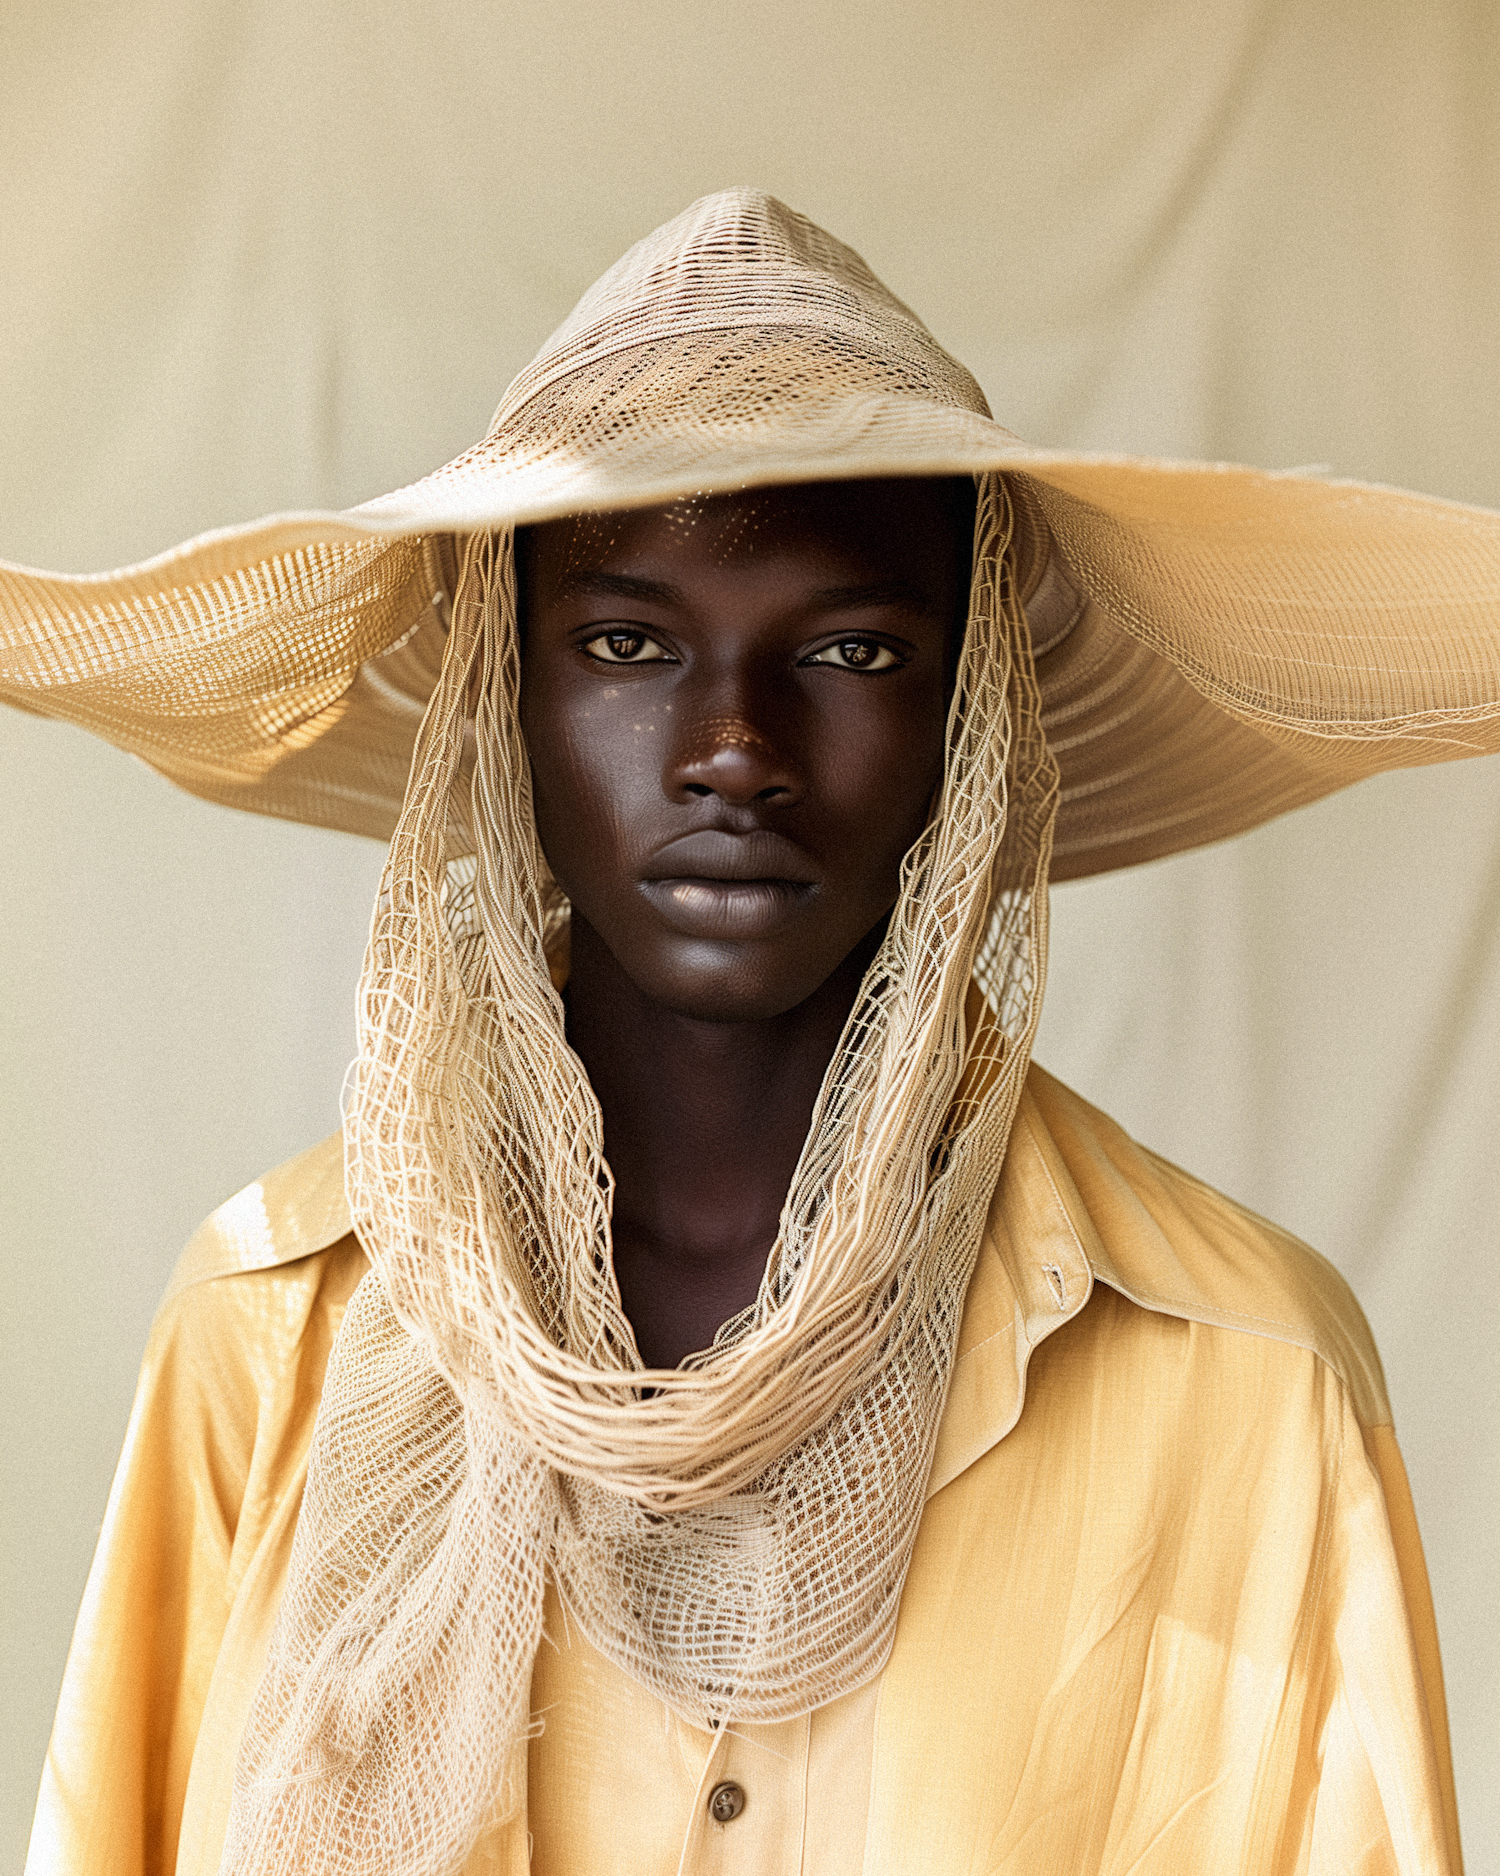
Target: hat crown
[(739, 259)]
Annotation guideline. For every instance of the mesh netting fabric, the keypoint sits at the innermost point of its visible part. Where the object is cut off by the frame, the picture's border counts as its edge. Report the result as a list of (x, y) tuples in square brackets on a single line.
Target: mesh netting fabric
[(733, 1533)]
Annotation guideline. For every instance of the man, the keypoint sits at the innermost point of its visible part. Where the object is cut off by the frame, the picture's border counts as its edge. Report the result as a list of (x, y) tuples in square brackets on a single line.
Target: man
[(754, 1421)]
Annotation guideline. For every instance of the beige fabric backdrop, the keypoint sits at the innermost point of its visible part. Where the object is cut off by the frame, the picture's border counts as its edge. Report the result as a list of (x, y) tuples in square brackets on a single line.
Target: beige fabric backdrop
[(258, 255)]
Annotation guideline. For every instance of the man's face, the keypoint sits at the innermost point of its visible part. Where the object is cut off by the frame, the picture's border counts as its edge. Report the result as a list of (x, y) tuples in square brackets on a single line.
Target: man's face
[(734, 709)]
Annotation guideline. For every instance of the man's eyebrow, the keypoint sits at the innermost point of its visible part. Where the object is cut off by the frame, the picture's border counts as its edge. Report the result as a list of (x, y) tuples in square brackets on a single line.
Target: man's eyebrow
[(880, 593), (595, 583)]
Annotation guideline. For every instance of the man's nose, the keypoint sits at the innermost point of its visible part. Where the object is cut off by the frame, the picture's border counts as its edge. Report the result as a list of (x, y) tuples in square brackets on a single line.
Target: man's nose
[(729, 754)]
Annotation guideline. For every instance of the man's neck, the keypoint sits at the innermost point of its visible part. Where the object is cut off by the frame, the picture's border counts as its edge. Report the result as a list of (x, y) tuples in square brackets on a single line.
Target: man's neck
[(703, 1125)]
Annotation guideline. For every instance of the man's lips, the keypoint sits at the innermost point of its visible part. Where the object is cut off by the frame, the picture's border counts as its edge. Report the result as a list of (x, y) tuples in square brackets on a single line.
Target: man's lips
[(711, 854), (717, 885)]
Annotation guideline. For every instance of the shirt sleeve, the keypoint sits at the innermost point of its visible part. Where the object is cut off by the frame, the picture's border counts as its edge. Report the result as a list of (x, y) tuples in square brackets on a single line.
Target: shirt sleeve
[(1385, 1793), (228, 1389)]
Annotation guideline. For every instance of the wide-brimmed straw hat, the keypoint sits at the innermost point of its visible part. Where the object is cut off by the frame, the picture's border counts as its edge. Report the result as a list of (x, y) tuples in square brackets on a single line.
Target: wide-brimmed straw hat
[(1215, 645)]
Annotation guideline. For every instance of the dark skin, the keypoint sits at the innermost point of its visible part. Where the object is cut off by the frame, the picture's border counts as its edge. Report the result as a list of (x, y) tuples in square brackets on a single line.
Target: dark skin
[(735, 711)]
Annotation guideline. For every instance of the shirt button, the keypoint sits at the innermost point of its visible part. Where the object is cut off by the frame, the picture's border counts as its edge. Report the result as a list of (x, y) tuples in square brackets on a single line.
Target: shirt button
[(725, 1802)]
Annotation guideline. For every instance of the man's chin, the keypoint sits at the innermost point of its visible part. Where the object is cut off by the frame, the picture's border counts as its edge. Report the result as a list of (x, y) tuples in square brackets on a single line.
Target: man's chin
[(724, 980)]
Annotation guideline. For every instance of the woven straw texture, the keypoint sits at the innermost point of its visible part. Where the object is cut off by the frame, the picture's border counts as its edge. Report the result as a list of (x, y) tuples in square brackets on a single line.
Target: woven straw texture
[(1219, 645)]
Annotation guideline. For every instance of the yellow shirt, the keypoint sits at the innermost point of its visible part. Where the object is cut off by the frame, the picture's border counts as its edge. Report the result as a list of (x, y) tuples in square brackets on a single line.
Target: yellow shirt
[(1172, 1617)]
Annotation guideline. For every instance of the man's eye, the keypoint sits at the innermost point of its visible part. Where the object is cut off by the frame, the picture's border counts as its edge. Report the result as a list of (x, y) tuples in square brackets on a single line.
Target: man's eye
[(856, 654), (622, 646)]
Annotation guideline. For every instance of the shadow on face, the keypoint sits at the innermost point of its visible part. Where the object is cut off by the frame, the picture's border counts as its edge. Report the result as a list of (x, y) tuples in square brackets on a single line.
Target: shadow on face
[(734, 708)]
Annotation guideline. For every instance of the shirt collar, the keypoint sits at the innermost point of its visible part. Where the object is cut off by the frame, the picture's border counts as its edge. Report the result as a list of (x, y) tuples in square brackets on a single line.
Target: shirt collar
[(1034, 1273)]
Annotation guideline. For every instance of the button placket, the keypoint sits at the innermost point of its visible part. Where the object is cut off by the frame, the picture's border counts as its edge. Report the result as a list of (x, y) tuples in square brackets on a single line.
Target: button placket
[(750, 1815)]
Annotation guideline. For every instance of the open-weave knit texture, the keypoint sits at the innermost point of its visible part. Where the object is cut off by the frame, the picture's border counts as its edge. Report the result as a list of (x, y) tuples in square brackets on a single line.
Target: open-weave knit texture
[(733, 1533)]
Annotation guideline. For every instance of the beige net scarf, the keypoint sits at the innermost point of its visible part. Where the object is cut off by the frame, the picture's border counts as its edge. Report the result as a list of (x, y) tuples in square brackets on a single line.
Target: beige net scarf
[(734, 1534)]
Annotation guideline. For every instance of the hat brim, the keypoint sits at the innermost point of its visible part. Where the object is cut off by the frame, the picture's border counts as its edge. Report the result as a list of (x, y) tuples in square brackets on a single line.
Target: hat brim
[(1249, 642)]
